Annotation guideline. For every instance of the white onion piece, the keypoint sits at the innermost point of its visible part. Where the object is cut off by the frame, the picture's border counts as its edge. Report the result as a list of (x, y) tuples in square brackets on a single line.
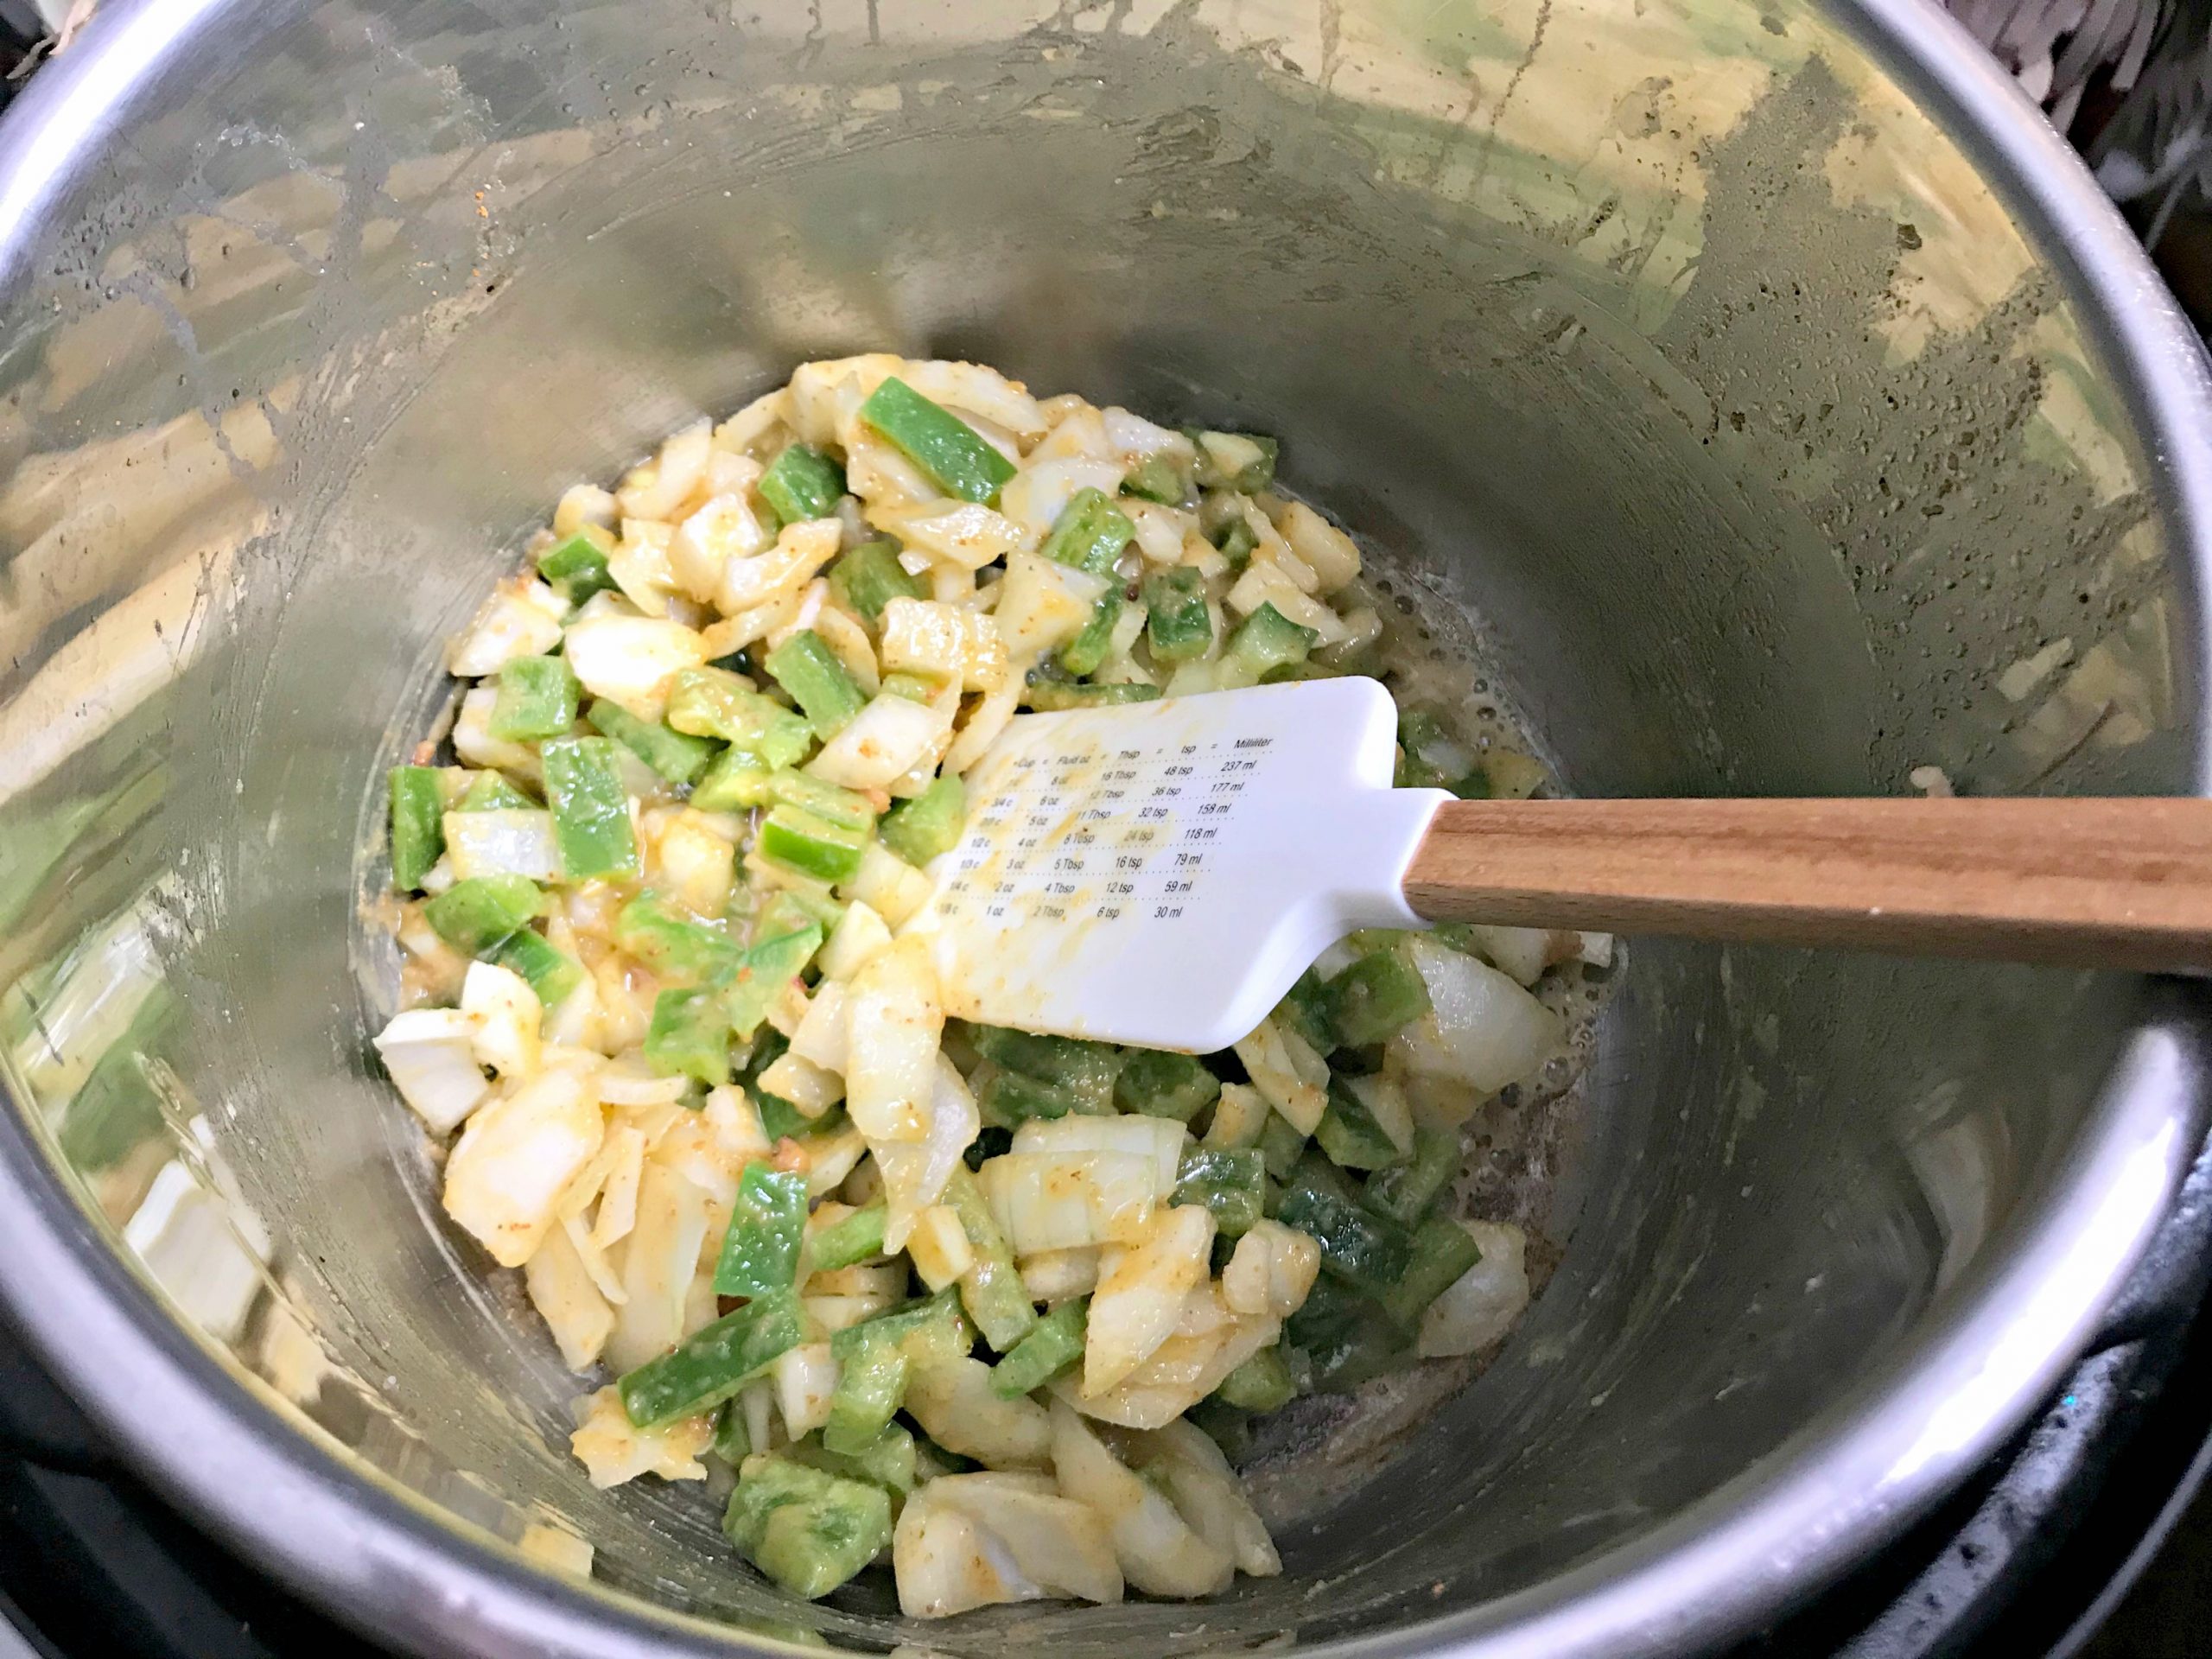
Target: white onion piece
[(431, 1057), (1207, 1492), (956, 1405), (512, 841), (613, 1450), (1050, 1201), (1480, 1305), (507, 1015), (1482, 1029), (1141, 1292), (974, 1541), (506, 1172), (1160, 1553), (914, 1172), (888, 737), (1160, 1139), (631, 659)]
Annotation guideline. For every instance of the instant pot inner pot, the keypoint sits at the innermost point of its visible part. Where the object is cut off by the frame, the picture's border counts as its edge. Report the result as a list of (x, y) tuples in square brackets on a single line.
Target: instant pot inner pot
[(1677, 359)]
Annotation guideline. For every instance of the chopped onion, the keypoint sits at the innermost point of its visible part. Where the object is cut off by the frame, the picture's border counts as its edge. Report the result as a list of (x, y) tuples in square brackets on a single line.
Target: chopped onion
[(960, 533), (659, 1264), (431, 1055), (940, 1247), (895, 1021), (1327, 551), (1482, 1304), (977, 389), (1159, 1552), (1160, 1139), (1205, 1492), (1056, 1275), (813, 1088), (956, 1406), (517, 620), (805, 1377), (726, 528), (1283, 1074), (1035, 497), (1386, 1104), (506, 1172), (914, 1172), (659, 487), (1042, 604), (887, 738), (507, 1016), (964, 1542), (1142, 1291), (1518, 952), (822, 1034), (613, 1450), (944, 642), (1482, 1029), (860, 934), (1271, 1272), (474, 742), (888, 885), (510, 840), (1050, 1201), (631, 659), (800, 552)]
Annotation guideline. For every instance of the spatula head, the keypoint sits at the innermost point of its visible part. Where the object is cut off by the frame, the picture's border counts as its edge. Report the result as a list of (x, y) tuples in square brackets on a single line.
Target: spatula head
[(1160, 873)]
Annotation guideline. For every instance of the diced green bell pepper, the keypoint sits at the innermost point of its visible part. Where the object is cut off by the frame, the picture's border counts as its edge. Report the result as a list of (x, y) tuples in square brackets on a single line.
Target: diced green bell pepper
[(713, 1363), (807, 1529), (991, 1290), (1046, 695), (715, 703), (846, 808), (1305, 1009), (476, 914), (1369, 1001), (768, 967), (1407, 1191), (849, 1239), (1442, 1251), (926, 825), (576, 566), (1366, 1251), (870, 577), (1228, 1181), (732, 1441), (1009, 1099), (1261, 1383), (1161, 1084), (761, 1248), (1349, 1134), (1085, 652), (876, 1358), (801, 841), (591, 809), (1052, 1346), (1267, 640), (802, 484), (1178, 624), (490, 791), (805, 667), (673, 754), (675, 946), (1237, 544), (1090, 534), (956, 457), (552, 974), (688, 1036), (537, 698), (1086, 1070), (1281, 1146), (1344, 1337), (737, 781), (418, 835), (1234, 461), (1161, 478)]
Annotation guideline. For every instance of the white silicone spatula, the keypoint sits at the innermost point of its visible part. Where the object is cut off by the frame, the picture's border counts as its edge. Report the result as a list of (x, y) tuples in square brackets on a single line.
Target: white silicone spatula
[(1160, 873)]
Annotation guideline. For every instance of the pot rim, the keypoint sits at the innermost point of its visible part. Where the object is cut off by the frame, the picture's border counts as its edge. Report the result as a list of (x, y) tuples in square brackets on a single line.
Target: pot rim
[(276, 1487)]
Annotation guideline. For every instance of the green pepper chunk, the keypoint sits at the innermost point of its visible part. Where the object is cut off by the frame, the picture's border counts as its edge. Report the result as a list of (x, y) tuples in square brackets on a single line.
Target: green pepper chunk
[(552, 974), (812, 845), (1234, 461), (846, 808), (736, 781), (956, 457), (575, 566), (1009, 1098), (1046, 695), (1349, 1134), (1086, 652), (891, 1459), (926, 825), (591, 810), (1236, 544), (1230, 1182), (1090, 533), (805, 667), (1161, 1084), (991, 1290), (1085, 1069), (1366, 1251), (806, 1529), (1344, 1337), (1178, 624), (1053, 1345), (476, 914), (802, 484), (1407, 1191), (1305, 1009), (674, 946), (768, 967), (1369, 1001), (671, 754), (1262, 1383), (848, 1240), (1268, 641), (537, 698), (688, 1036), (761, 1248), (713, 1363), (876, 1358), (715, 703), (1161, 478), (870, 577), (490, 791), (1282, 1145), (732, 1441), (418, 836), (1442, 1251)]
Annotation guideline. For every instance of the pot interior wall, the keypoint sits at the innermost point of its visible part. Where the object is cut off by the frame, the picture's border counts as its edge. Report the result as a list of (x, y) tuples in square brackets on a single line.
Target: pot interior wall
[(1699, 377)]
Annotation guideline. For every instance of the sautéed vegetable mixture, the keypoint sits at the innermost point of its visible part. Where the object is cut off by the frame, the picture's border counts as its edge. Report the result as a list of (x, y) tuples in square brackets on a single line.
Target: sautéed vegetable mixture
[(960, 1297)]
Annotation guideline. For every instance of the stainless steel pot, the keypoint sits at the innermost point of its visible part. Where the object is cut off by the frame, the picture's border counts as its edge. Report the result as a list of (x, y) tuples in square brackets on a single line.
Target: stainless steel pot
[(1771, 389)]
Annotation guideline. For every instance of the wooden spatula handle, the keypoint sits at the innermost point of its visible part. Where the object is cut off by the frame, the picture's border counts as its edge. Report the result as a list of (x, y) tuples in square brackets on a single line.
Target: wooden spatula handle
[(2096, 883)]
